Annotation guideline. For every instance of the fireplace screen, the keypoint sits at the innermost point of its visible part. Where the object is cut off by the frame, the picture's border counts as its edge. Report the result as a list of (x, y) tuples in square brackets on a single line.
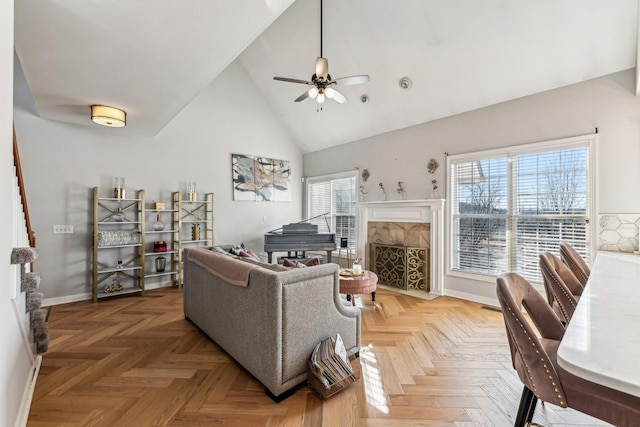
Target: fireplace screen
[(401, 266)]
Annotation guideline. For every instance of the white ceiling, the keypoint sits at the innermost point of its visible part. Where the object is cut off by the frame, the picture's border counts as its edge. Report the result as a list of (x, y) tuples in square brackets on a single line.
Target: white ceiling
[(152, 57)]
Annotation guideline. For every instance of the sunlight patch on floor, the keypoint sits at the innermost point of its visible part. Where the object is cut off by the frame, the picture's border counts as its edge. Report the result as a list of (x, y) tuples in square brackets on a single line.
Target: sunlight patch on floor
[(373, 387)]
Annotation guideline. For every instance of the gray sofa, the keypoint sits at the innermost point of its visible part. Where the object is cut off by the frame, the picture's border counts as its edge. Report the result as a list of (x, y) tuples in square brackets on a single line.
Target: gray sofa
[(271, 326)]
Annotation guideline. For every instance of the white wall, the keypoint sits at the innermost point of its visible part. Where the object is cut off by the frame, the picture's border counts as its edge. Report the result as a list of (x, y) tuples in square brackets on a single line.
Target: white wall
[(15, 361), (62, 162), (605, 103)]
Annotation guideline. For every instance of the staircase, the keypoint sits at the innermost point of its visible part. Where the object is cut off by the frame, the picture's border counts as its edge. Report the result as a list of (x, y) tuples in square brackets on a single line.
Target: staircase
[(38, 327), (26, 300)]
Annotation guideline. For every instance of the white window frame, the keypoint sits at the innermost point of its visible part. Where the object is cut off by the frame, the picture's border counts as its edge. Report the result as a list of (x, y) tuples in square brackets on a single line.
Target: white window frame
[(307, 205), (589, 141)]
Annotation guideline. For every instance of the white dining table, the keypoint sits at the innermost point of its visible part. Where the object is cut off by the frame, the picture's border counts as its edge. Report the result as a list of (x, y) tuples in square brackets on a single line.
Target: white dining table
[(602, 341)]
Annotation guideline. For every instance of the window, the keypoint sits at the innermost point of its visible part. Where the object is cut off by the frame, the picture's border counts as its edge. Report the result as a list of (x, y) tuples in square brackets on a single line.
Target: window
[(331, 202), (508, 206)]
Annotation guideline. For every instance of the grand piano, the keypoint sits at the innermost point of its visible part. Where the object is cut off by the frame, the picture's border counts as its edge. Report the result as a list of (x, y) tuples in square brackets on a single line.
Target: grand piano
[(297, 238)]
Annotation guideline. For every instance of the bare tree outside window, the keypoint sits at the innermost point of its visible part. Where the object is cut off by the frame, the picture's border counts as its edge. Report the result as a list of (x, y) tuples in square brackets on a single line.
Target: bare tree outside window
[(507, 210), (481, 226)]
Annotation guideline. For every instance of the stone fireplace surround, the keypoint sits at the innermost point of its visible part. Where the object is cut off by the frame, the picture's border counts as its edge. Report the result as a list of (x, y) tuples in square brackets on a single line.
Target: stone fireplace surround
[(427, 211)]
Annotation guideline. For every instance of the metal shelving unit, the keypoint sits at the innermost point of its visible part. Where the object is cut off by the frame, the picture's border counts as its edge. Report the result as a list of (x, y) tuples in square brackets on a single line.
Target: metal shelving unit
[(187, 214), (150, 271), (118, 246)]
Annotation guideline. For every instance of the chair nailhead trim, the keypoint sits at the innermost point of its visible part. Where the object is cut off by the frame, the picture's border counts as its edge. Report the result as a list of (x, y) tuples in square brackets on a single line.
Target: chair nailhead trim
[(544, 363)]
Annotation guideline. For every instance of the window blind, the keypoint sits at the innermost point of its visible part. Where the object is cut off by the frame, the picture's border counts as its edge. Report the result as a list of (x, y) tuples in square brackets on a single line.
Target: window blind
[(335, 196), (507, 208)]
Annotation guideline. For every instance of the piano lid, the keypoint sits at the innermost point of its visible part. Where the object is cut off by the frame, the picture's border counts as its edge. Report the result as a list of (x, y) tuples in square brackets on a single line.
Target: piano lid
[(301, 227)]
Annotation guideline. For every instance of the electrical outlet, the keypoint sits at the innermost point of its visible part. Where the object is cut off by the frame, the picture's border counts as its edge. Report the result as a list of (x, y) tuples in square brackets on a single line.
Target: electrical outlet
[(63, 229)]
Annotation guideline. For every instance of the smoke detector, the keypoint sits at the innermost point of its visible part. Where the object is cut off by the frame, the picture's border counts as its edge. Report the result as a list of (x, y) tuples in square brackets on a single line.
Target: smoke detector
[(405, 83)]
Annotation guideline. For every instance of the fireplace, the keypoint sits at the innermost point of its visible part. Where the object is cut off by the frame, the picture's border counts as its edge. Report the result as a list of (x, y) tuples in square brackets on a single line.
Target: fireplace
[(403, 267), (410, 223)]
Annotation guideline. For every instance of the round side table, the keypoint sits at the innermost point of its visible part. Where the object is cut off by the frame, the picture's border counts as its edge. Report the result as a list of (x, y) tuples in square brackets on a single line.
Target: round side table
[(351, 285)]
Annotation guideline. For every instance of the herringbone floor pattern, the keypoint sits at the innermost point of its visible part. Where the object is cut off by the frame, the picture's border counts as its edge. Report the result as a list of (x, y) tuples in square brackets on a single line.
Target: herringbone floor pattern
[(137, 362)]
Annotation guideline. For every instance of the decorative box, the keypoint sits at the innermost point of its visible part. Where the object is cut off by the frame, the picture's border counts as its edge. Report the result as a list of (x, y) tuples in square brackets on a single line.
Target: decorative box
[(160, 246), (158, 206)]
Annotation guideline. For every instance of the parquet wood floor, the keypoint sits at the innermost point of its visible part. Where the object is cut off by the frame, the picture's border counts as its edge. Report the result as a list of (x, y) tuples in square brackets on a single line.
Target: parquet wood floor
[(137, 362)]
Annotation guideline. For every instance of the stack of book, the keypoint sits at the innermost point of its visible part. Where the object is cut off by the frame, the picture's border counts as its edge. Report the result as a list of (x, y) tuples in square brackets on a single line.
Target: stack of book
[(328, 372)]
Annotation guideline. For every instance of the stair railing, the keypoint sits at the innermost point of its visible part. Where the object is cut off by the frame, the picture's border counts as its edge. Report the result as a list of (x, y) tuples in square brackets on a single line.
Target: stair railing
[(23, 194)]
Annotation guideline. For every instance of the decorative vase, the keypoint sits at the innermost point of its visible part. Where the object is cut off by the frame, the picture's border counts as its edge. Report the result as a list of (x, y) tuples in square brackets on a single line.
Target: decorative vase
[(191, 191), (434, 194), (118, 188), (158, 225), (161, 262), (119, 216), (195, 232)]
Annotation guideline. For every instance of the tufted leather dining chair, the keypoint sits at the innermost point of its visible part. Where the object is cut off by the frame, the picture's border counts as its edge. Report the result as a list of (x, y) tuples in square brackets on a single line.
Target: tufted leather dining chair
[(534, 357), (562, 287), (575, 262)]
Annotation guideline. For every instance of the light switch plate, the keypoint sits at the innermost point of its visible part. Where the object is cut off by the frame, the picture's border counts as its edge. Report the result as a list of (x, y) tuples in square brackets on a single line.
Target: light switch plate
[(63, 229)]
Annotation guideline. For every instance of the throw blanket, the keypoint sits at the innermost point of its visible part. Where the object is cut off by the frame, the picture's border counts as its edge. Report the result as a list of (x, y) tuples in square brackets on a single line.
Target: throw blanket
[(230, 270)]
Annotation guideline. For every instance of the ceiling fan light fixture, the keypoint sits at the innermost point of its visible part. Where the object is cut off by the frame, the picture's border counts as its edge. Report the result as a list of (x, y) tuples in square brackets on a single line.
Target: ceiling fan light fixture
[(321, 81), (108, 116), (329, 92)]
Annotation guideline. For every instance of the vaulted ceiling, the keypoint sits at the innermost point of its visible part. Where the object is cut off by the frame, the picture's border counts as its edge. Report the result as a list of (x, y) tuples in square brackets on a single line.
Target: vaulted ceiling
[(152, 57)]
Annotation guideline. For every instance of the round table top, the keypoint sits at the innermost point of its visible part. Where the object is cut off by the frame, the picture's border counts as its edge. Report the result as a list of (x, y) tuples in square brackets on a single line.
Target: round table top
[(359, 284)]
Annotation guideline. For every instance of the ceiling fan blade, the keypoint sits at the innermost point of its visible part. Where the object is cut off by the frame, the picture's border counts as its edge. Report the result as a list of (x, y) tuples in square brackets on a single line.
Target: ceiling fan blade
[(336, 96), (322, 68), (286, 79), (352, 80), (302, 97)]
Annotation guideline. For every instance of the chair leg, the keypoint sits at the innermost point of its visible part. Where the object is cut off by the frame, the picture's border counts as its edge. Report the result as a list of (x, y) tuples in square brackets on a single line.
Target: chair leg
[(526, 409)]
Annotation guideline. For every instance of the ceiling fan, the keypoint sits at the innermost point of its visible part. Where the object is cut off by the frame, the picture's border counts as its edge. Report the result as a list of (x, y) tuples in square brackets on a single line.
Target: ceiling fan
[(323, 84)]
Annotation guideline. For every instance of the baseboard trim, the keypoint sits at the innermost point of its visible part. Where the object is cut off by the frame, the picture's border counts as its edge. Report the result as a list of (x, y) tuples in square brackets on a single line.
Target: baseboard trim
[(87, 296), (65, 300), (27, 397), (472, 297)]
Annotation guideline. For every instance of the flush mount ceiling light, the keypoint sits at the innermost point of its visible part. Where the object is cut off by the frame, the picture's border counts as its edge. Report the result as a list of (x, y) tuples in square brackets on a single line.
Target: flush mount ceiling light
[(108, 116), (405, 83)]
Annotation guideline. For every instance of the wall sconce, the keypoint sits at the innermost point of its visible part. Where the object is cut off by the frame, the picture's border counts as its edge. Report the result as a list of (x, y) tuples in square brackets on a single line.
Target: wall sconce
[(191, 191), (108, 116), (118, 187)]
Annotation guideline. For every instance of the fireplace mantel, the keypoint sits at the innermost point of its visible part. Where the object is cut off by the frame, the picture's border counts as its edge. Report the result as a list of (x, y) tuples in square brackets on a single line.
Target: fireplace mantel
[(429, 211)]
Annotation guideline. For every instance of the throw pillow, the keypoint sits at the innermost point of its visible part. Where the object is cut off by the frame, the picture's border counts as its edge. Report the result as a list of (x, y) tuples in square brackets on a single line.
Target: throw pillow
[(313, 261), (249, 254), (236, 249), (288, 263)]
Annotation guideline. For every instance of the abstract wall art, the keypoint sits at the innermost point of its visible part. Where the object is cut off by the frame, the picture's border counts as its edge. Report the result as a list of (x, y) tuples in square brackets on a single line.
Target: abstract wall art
[(260, 179)]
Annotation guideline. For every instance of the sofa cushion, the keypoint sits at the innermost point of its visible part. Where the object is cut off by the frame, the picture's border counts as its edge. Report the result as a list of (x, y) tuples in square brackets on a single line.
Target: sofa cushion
[(272, 267), (220, 250)]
